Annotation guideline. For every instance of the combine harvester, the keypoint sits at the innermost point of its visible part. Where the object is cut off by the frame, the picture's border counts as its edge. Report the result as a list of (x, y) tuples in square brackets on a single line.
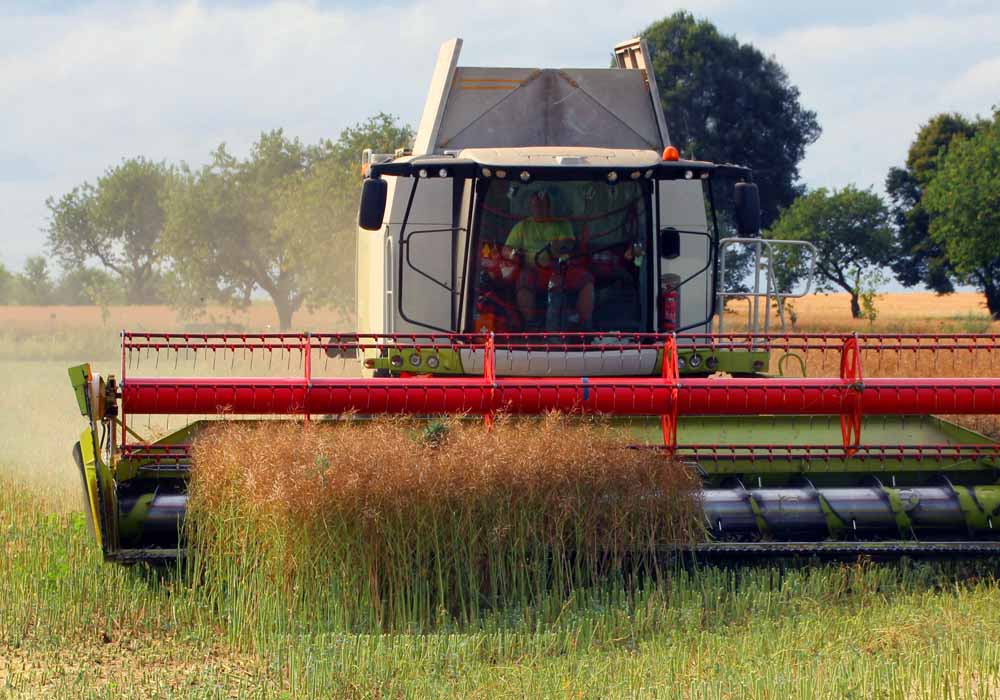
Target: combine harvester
[(545, 248)]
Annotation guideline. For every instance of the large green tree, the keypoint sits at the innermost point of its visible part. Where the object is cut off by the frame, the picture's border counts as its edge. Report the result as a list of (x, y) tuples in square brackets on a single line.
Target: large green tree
[(920, 259), (116, 221), (280, 221), (725, 101), (852, 234), (963, 200)]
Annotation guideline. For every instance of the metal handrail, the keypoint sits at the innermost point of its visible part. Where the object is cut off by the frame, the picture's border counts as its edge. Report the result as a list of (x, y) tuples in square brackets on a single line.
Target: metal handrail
[(762, 246)]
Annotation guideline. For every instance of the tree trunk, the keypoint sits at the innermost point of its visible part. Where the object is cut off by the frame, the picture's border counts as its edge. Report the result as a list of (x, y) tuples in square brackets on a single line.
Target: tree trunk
[(992, 292), (855, 305), (285, 310)]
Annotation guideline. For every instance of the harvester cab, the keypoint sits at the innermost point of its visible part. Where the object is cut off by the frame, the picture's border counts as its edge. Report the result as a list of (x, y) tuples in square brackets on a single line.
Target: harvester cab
[(543, 247)]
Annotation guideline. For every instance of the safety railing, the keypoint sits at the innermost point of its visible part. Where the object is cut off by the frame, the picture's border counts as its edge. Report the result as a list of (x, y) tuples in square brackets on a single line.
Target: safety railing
[(849, 393), (765, 288)]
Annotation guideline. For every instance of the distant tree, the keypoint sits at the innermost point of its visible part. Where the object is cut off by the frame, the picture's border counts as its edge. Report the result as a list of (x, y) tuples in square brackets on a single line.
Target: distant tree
[(117, 222), (6, 285), (963, 199), (921, 260), (726, 101), (34, 283), (318, 209), (281, 221), (383, 133), (80, 286), (851, 231), (321, 203)]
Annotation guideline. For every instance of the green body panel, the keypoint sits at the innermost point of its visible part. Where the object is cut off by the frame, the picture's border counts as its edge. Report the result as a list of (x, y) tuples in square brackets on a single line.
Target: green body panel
[(79, 377), (99, 485), (449, 361), (126, 469), (783, 431)]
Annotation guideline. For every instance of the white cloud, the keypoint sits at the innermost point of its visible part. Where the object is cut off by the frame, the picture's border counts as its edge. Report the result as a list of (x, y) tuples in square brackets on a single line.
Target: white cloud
[(981, 80), (873, 86)]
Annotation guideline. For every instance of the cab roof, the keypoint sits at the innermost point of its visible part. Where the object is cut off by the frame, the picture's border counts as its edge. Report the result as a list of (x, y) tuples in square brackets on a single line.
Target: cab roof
[(554, 162)]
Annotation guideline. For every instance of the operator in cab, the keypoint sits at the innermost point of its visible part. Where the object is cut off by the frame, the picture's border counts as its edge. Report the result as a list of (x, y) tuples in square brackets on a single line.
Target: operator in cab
[(549, 263)]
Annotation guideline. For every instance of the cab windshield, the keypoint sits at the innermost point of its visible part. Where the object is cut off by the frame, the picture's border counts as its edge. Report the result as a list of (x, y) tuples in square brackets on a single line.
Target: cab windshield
[(562, 256)]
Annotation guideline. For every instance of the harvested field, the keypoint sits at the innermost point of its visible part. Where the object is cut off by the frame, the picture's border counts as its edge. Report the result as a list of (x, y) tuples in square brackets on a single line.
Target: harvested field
[(898, 312), (258, 316)]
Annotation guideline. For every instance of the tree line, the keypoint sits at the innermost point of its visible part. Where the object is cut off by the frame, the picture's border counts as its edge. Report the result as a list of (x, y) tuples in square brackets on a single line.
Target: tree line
[(940, 228), (280, 222)]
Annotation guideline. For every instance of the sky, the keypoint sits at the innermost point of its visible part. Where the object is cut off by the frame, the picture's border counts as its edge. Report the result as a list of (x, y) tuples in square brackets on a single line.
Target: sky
[(84, 84)]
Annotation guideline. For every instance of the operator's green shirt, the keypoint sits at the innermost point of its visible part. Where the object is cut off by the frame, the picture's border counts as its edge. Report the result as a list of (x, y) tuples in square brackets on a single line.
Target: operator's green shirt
[(531, 236)]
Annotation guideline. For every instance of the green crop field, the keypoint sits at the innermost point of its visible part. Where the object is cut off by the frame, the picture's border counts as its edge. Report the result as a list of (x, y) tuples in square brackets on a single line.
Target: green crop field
[(74, 627)]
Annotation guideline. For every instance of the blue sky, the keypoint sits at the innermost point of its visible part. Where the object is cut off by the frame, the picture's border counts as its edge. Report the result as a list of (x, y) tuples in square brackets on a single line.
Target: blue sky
[(84, 84)]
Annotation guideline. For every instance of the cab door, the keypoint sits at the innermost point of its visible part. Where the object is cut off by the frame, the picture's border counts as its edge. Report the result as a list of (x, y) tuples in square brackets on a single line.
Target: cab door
[(687, 270)]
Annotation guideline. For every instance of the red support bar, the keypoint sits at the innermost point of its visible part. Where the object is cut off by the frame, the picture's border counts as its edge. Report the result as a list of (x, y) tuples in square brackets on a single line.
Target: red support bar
[(850, 375), (490, 380), (612, 395), (671, 378), (307, 362)]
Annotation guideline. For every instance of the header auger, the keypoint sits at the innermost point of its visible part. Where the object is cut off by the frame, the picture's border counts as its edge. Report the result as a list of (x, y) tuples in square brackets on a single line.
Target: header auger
[(544, 248)]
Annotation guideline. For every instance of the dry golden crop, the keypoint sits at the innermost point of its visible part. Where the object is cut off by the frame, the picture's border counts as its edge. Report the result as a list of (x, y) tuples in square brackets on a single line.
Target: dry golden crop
[(452, 519)]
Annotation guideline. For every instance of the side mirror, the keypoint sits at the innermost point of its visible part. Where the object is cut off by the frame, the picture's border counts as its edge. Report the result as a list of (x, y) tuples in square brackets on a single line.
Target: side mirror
[(747, 199), (668, 243), (372, 209)]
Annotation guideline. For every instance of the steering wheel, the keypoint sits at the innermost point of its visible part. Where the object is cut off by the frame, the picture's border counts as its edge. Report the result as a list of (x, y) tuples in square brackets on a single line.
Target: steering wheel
[(566, 257), (562, 259)]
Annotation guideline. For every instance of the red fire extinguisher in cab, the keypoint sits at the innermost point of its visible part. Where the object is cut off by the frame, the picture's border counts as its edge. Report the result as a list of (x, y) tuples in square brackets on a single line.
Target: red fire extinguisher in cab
[(670, 303)]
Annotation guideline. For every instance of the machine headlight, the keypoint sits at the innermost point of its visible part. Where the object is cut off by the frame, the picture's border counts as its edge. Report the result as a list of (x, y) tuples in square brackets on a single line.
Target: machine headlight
[(415, 359), (433, 362), (396, 361), (694, 361)]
